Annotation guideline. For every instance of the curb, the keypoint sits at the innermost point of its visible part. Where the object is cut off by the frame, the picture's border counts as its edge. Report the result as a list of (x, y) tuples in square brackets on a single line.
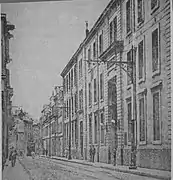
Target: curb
[(116, 169), (27, 171)]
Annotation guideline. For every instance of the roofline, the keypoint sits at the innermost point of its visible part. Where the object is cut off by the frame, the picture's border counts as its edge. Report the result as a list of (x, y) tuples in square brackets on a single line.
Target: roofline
[(105, 11)]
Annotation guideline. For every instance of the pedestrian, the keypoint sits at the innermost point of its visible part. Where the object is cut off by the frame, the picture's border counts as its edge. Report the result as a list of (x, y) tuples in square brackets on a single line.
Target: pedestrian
[(93, 152), (90, 153), (114, 154), (12, 157)]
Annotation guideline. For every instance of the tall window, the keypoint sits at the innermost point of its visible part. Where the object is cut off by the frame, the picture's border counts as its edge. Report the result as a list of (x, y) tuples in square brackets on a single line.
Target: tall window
[(129, 116), (69, 80), (72, 109), (129, 67), (111, 32), (101, 86), (67, 83), (75, 75), (154, 4), (67, 110), (72, 78), (95, 91), (128, 16), (102, 127), (155, 50), (90, 129), (140, 11), (101, 43), (142, 119), (72, 133), (115, 28), (89, 58), (80, 68), (141, 59), (156, 116), (94, 50), (95, 128), (81, 99), (75, 102), (90, 95)]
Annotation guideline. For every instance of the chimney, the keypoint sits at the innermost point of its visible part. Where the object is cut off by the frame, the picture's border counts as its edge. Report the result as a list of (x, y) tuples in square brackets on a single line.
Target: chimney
[(87, 31)]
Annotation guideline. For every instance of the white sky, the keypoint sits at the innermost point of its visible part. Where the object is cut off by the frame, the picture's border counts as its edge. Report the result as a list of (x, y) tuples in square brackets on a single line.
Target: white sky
[(46, 36)]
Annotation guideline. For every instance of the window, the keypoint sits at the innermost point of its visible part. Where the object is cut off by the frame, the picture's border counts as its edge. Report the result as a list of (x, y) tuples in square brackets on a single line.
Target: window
[(156, 116), (76, 131), (72, 78), (155, 50), (80, 68), (69, 81), (154, 4), (95, 91), (115, 28), (90, 129), (67, 110), (101, 86), (111, 32), (129, 117), (102, 127), (90, 95), (95, 128), (67, 132), (142, 119), (129, 68), (101, 43), (75, 75), (94, 51), (75, 102), (89, 58), (72, 105), (140, 11), (72, 133), (81, 99), (128, 16), (141, 59)]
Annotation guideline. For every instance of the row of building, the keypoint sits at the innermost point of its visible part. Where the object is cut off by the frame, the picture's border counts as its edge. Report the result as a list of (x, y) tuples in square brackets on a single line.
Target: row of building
[(116, 91), (6, 89)]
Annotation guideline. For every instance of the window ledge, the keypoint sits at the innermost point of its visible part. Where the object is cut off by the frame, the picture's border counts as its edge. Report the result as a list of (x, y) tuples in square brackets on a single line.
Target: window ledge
[(155, 73), (142, 80), (142, 143), (128, 33), (154, 10), (129, 86), (140, 24), (157, 142)]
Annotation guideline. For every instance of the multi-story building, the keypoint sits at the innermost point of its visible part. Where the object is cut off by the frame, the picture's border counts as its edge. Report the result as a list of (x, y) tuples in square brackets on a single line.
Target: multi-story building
[(58, 113), (45, 128), (7, 90), (146, 35), (111, 94), (37, 138), (70, 114)]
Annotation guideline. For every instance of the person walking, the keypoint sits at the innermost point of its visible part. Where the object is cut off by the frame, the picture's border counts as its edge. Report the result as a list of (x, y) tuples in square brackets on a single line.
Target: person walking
[(12, 157), (93, 152)]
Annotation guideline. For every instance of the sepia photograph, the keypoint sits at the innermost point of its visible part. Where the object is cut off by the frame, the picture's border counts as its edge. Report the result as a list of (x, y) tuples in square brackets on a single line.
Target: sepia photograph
[(86, 89)]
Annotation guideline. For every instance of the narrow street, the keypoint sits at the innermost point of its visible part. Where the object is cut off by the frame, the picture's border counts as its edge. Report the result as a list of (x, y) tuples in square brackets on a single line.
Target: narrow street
[(48, 169)]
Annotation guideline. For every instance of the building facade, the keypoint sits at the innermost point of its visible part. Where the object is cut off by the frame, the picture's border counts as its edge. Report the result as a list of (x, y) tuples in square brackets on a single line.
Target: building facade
[(7, 90), (147, 31), (123, 86)]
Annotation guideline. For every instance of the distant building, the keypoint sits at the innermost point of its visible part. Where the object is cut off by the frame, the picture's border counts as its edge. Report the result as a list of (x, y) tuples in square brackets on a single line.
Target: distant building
[(37, 138), (7, 90)]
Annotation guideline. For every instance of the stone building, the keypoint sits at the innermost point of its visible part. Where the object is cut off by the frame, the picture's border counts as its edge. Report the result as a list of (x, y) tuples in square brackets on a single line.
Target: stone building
[(70, 113), (108, 93), (7, 90), (147, 31)]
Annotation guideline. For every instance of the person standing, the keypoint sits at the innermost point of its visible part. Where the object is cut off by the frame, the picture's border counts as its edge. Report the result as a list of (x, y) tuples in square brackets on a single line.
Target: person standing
[(93, 152)]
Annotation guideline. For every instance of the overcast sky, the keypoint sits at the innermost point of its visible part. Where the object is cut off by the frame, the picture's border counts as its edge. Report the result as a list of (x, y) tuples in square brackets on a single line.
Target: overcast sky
[(46, 36)]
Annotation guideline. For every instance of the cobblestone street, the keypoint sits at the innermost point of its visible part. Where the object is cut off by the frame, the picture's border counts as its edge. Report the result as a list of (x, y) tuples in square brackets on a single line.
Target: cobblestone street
[(48, 169)]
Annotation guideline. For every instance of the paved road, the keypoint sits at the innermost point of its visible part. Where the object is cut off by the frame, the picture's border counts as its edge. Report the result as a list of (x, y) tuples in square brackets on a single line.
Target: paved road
[(49, 169), (14, 173)]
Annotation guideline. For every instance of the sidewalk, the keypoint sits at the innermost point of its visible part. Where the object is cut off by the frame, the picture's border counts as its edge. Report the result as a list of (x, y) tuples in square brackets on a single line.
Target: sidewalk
[(158, 174), (14, 173)]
